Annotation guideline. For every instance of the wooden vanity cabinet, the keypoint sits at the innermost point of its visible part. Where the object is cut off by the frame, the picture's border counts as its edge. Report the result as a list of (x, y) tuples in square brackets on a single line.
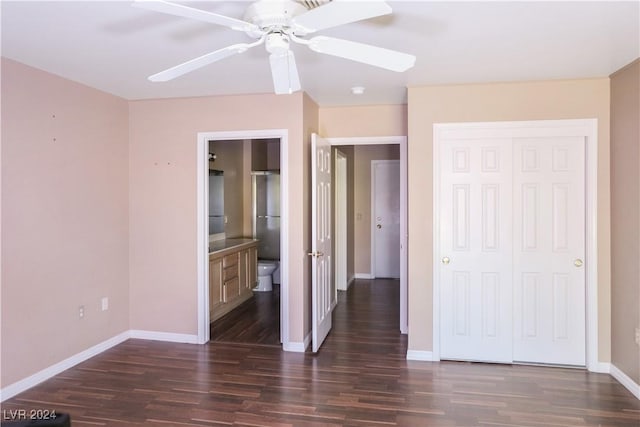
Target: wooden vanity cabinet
[(232, 277)]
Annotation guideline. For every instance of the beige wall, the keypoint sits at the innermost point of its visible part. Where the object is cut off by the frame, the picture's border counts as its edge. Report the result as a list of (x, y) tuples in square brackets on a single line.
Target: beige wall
[(370, 120), (569, 99), (364, 155), (625, 219), (230, 156), (64, 219), (162, 213)]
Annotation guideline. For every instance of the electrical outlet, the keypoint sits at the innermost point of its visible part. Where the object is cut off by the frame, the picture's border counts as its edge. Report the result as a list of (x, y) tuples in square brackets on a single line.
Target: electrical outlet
[(105, 303), (81, 311), (638, 336)]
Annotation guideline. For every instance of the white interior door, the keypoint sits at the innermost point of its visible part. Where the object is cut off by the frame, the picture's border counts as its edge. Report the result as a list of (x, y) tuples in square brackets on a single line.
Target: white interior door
[(475, 247), (549, 250), (322, 297), (385, 197)]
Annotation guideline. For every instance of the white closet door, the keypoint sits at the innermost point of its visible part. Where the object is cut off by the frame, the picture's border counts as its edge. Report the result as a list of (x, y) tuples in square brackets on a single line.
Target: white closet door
[(476, 250), (549, 250)]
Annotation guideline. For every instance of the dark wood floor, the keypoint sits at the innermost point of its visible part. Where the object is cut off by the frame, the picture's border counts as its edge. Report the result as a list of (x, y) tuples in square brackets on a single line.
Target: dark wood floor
[(359, 378), (256, 321)]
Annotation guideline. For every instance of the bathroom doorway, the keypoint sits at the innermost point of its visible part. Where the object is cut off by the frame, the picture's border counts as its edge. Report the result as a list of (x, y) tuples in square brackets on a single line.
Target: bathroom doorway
[(262, 316)]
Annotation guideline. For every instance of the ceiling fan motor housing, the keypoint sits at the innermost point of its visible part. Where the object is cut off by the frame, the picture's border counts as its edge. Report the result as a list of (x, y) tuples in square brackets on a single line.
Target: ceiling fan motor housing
[(272, 16)]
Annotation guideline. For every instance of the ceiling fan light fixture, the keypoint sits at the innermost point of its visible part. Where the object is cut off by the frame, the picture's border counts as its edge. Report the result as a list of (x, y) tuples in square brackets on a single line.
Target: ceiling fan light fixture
[(277, 43)]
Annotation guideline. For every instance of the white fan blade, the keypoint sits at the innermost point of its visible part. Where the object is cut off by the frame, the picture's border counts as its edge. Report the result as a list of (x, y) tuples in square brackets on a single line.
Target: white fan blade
[(339, 12), (284, 73), (199, 62), (197, 14), (360, 52)]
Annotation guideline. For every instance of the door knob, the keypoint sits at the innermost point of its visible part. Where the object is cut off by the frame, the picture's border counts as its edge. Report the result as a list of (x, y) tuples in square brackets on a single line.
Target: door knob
[(578, 262), (379, 226), (446, 260), (315, 254)]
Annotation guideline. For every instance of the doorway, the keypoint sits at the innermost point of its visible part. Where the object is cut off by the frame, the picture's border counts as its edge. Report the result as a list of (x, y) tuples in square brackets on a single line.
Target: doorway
[(401, 142), (202, 212), (385, 219)]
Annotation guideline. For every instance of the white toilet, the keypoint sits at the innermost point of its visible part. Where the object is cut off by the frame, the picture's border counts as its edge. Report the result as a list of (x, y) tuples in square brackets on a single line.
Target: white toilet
[(265, 272)]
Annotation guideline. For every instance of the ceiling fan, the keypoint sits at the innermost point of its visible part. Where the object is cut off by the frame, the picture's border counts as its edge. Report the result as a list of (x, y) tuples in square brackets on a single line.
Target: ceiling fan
[(276, 23)]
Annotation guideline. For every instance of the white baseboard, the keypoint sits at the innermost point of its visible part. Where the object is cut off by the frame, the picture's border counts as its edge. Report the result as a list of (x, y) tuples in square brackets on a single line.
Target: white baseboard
[(626, 381), (349, 283), (363, 276), (163, 336), (600, 367), (296, 346), (43, 375), (426, 356)]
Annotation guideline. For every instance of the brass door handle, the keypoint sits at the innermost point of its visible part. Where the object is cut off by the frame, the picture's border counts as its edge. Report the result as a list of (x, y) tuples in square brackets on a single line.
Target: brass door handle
[(578, 262), (446, 260)]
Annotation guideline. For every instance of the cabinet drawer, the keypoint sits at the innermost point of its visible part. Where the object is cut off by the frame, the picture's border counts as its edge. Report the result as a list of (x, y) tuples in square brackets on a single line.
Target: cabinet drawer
[(230, 260), (231, 289), (230, 272)]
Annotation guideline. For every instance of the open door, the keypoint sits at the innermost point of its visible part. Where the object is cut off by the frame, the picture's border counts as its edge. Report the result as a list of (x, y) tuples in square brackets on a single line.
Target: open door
[(321, 274)]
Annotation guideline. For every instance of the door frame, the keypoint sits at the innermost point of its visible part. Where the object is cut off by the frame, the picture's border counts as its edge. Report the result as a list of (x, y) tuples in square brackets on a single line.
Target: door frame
[(202, 191), (587, 128), (340, 207), (402, 142), (372, 225)]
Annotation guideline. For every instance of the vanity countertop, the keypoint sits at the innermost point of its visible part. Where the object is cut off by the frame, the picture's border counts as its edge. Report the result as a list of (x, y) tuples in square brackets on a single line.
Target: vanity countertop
[(222, 245)]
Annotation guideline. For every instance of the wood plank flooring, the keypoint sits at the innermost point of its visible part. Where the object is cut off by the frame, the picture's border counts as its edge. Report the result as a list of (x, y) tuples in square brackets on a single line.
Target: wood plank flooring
[(255, 321), (359, 378)]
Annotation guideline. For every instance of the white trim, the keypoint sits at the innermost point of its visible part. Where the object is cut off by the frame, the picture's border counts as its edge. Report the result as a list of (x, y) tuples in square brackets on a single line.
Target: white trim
[(350, 281), (366, 276), (298, 347), (404, 235), (425, 356), (164, 336), (202, 250), (601, 368), (626, 381), (365, 140), (587, 128), (53, 370), (341, 221), (202, 241), (591, 243)]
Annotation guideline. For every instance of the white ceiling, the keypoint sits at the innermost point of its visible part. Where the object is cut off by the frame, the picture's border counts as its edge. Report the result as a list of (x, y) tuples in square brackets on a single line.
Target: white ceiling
[(112, 46)]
